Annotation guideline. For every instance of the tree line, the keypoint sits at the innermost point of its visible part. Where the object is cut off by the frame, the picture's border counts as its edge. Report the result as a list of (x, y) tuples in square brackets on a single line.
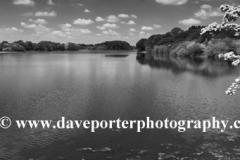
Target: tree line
[(53, 46), (178, 37)]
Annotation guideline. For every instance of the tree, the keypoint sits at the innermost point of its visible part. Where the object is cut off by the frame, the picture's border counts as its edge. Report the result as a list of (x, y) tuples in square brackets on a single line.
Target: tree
[(72, 46), (141, 44), (153, 40), (113, 45), (231, 15), (175, 31), (3, 45), (21, 43), (165, 41), (16, 47), (61, 47), (29, 45)]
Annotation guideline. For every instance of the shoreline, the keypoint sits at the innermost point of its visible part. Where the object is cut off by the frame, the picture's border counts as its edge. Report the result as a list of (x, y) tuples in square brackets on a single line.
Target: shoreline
[(8, 52)]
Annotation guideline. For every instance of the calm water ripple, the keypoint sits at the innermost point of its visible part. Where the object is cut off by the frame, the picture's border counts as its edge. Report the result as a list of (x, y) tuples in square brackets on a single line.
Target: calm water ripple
[(89, 85)]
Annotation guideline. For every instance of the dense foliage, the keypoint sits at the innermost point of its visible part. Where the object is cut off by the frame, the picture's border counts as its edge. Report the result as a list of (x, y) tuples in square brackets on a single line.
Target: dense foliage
[(190, 43), (141, 44), (113, 45), (52, 46), (176, 35)]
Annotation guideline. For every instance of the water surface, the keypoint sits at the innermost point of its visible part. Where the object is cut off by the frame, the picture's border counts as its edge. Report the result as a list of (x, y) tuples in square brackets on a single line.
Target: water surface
[(90, 86)]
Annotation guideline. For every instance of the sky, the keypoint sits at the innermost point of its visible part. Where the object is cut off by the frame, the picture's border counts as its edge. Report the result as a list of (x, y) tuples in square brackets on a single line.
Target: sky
[(96, 21)]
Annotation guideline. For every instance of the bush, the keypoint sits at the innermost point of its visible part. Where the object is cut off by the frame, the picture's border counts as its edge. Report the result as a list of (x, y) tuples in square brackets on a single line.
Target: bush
[(160, 50), (215, 47), (102, 47), (233, 44), (164, 50), (180, 50), (236, 44), (183, 52), (195, 49), (174, 50), (16, 47), (210, 49), (149, 51)]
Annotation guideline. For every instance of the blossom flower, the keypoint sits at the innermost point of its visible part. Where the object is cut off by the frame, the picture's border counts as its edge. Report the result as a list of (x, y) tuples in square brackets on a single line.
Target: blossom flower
[(231, 14), (234, 87), (236, 62)]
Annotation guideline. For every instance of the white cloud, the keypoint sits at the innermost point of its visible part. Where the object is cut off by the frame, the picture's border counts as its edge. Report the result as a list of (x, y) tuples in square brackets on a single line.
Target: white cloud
[(50, 2), (189, 22), (81, 21), (59, 34), (46, 14), (144, 34), (110, 32), (99, 19), (39, 21), (28, 25), (80, 4), (68, 29), (157, 26), (172, 2), (85, 31), (123, 15), (146, 28), (131, 22), (101, 27), (87, 11), (207, 11), (132, 30), (10, 30), (24, 2), (39, 28), (133, 16), (112, 18), (65, 26), (110, 25)]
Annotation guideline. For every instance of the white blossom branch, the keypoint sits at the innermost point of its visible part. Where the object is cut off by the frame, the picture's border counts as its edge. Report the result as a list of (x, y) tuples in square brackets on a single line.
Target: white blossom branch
[(231, 14)]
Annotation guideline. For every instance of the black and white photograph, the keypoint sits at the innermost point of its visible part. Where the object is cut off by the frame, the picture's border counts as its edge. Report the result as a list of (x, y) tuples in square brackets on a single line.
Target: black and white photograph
[(119, 80)]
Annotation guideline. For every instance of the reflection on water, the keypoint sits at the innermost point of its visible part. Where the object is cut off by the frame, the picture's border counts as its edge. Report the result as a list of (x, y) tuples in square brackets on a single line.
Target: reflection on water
[(89, 86), (205, 67)]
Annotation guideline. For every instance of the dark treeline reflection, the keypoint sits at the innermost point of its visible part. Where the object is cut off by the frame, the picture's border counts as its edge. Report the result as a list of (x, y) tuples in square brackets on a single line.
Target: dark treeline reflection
[(209, 68)]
